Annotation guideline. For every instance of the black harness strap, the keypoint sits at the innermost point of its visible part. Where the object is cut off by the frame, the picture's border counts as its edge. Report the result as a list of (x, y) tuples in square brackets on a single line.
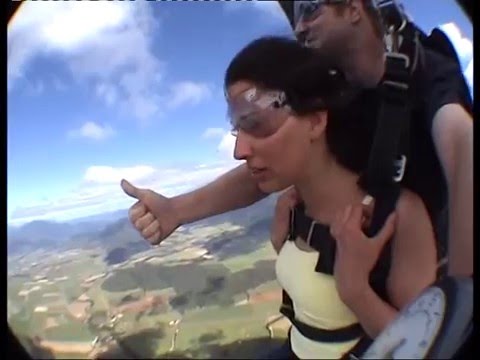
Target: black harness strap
[(390, 149), (336, 335)]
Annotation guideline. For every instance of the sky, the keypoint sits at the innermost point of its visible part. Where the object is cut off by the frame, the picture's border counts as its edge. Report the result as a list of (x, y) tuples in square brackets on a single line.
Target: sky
[(100, 91)]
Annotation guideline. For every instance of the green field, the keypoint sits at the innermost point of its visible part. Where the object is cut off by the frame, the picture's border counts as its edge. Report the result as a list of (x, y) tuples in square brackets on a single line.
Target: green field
[(246, 261), (202, 296), (73, 331)]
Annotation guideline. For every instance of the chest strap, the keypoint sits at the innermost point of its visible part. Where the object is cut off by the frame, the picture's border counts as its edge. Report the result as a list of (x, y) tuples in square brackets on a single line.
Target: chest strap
[(343, 334), (316, 235)]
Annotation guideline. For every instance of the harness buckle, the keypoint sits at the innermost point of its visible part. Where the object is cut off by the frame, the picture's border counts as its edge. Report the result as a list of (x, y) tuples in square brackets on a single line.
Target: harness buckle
[(292, 222), (396, 84), (397, 70), (392, 14), (398, 56), (400, 166), (310, 232)]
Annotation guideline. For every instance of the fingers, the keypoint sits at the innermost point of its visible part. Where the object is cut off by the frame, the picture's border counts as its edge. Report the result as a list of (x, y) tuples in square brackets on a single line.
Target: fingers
[(288, 199), (293, 195), (336, 224), (151, 229), (355, 217), (143, 222), (155, 239), (281, 221), (137, 211), (346, 214), (148, 226), (387, 230)]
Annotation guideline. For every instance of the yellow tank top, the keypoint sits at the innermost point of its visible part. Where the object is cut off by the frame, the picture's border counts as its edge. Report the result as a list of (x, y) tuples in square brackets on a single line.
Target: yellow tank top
[(315, 302)]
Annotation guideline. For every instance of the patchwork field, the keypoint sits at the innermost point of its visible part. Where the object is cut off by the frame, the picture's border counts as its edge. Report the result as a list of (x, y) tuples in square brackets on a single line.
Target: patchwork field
[(207, 300)]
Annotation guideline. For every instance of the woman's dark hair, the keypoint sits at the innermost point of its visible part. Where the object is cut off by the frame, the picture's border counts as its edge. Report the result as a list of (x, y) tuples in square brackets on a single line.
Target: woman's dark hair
[(311, 85)]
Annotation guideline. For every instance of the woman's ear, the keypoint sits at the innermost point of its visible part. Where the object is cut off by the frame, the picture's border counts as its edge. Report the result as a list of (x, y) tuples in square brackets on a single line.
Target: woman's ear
[(318, 124)]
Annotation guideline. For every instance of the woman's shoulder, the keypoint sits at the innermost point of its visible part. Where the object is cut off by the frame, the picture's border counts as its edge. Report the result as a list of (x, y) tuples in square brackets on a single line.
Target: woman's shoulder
[(410, 207)]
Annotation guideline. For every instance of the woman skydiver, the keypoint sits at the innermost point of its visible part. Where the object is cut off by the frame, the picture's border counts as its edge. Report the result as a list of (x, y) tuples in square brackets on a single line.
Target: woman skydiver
[(297, 123)]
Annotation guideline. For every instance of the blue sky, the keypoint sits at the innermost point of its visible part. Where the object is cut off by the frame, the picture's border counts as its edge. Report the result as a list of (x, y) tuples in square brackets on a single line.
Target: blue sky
[(99, 91)]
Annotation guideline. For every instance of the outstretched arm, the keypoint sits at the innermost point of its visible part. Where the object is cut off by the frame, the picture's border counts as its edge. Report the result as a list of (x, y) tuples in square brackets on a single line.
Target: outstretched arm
[(453, 137), (233, 190)]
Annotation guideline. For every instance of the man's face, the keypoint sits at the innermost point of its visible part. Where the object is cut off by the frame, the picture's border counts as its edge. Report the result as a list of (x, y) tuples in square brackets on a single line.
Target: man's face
[(325, 27)]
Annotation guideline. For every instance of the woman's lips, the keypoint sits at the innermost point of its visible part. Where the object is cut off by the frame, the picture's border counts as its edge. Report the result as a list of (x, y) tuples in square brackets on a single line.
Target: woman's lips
[(258, 173)]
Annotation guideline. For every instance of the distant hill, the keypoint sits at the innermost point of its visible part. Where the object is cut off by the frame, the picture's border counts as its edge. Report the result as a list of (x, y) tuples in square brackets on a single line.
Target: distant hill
[(262, 210), (48, 234), (113, 230)]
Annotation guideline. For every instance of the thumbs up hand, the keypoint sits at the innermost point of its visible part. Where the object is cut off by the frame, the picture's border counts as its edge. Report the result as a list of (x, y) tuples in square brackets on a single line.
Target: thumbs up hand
[(153, 215)]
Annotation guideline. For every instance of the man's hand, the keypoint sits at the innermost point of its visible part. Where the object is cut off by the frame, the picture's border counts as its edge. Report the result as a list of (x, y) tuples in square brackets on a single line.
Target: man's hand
[(281, 219), (153, 215)]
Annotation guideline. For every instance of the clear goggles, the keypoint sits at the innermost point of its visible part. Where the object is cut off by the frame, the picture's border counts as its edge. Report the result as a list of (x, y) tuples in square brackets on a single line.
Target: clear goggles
[(306, 10), (259, 113)]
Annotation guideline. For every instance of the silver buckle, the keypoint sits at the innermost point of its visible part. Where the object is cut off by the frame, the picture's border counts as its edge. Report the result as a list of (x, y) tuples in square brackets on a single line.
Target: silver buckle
[(406, 62), (396, 84), (380, 5), (401, 165), (398, 55), (310, 232), (292, 217)]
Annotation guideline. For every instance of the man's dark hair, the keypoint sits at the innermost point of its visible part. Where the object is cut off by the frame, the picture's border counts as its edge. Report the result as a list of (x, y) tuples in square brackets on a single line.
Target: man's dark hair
[(311, 85)]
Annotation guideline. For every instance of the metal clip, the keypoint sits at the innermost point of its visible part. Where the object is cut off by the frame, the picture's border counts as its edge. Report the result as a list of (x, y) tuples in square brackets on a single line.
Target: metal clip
[(400, 56), (396, 84), (310, 232), (292, 218), (401, 165)]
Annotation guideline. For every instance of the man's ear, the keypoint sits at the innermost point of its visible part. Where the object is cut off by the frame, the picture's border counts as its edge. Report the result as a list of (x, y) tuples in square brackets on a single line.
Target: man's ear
[(318, 124), (355, 11)]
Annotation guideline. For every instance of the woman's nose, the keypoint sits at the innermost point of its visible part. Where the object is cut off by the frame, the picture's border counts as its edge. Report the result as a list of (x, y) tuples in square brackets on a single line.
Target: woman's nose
[(243, 149)]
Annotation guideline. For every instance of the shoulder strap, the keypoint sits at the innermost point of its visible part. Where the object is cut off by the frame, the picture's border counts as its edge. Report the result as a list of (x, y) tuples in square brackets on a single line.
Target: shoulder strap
[(389, 152)]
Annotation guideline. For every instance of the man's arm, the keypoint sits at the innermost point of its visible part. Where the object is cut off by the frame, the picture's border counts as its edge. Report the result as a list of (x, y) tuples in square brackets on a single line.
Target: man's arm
[(233, 190), (453, 136)]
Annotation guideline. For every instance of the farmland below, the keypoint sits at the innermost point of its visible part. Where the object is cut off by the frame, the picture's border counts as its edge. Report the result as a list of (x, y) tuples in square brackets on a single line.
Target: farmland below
[(208, 291)]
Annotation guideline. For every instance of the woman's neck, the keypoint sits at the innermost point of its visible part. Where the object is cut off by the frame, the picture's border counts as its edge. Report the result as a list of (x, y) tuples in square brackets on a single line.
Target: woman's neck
[(327, 188)]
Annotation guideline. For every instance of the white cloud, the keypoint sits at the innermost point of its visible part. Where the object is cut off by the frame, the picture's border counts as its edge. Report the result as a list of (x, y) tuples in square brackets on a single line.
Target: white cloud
[(105, 42), (93, 131), (188, 93), (56, 26), (227, 145), (468, 73), (464, 48), (213, 133), (109, 175), (269, 10), (100, 190), (107, 92), (463, 45)]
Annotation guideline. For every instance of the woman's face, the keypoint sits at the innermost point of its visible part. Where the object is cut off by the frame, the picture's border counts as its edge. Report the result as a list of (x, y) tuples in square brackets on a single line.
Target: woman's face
[(277, 147)]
